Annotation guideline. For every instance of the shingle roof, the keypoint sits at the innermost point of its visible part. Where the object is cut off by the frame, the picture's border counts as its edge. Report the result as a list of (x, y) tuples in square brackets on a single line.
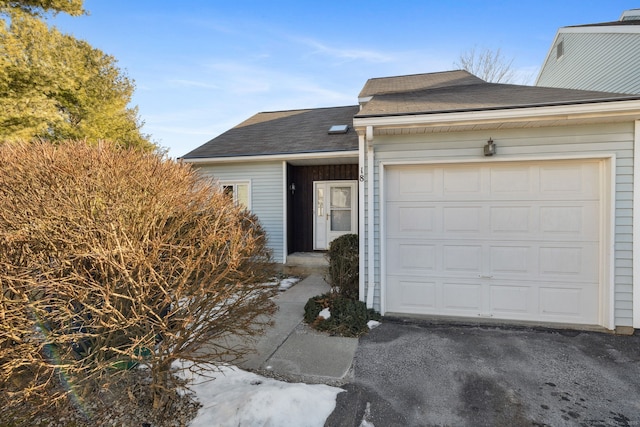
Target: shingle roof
[(416, 82), (629, 17), (284, 132), (607, 24), (306, 131), (478, 96)]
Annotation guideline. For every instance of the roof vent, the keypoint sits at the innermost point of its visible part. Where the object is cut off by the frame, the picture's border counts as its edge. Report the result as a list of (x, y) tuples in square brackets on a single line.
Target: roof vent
[(337, 129)]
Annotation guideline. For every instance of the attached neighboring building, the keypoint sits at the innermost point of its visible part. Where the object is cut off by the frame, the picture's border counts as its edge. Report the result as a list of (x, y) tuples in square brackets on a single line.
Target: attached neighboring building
[(475, 200), (603, 56)]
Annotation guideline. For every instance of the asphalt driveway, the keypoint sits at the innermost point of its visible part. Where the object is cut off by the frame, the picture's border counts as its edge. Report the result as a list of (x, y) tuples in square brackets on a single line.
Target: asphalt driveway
[(421, 374)]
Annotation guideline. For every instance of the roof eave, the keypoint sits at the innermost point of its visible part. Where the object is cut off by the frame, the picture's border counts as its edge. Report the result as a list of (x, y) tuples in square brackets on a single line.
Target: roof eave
[(272, 157), (582, 110)]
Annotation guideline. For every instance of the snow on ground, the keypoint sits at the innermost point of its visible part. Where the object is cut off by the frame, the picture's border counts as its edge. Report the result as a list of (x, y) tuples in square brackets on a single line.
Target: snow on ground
[(239, 398), (372, 324), (288, 282), (284, 284), (325, 314)]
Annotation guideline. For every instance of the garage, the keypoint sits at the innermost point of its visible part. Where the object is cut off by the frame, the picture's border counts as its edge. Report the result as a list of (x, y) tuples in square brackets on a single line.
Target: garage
[(505, 240)]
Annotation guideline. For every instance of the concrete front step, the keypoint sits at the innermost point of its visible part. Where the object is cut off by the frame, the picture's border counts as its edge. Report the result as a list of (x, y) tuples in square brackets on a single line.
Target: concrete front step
[(303, 263)]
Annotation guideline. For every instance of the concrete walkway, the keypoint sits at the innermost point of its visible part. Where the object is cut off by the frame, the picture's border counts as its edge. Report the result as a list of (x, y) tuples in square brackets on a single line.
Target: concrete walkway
[(293, 351)]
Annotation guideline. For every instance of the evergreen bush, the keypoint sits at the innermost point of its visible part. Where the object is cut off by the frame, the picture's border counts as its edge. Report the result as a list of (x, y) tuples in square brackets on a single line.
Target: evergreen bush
[(349, 317), (344, 265)]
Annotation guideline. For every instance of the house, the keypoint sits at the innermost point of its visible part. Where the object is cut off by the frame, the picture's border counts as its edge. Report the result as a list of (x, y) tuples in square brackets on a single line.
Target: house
[(296, 170), (603, 56), (474, 199)]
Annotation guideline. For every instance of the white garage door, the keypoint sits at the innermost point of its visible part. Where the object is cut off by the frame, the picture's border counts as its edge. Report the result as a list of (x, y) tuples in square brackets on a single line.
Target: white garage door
[(505, 240)]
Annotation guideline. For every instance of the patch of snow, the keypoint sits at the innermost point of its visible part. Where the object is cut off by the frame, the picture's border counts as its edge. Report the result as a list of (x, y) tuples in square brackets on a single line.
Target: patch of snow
[(283, 284), (288, 282), (238, 398), (365, 418), (325, 314), (372, 324)]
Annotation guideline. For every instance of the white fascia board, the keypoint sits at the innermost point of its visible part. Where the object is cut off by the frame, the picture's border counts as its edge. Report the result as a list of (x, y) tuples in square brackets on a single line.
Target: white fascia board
[(551, 51), (532, 113), (274, 157)]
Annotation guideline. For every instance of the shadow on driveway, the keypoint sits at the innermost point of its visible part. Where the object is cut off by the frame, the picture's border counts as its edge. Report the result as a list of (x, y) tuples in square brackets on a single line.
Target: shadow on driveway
[(413, 374)]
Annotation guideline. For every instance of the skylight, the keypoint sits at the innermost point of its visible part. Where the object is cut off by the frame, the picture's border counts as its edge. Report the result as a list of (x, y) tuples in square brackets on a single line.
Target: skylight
[(336, 129)]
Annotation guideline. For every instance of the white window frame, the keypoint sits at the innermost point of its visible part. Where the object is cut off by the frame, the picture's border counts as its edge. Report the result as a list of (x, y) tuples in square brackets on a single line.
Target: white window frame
[(560, 50), (234, 185)]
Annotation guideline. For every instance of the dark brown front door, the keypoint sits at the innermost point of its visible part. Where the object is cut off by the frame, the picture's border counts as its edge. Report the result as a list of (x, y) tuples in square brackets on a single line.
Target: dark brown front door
[(300, 213)]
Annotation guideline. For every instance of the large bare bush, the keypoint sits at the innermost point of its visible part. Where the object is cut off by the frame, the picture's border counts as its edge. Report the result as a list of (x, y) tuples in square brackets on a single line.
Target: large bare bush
[(110, 257)]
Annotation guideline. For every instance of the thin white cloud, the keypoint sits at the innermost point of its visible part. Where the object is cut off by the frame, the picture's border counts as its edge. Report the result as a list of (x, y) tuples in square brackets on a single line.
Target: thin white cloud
[(193, 83), (346, 54)]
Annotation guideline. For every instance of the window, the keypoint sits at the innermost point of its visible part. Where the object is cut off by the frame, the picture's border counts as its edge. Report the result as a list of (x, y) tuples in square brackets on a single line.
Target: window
[(238, 191), (560, 49)]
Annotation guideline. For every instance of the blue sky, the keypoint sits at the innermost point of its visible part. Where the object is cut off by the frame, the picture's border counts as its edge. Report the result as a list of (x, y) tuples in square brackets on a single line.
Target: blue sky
[(203, 66)]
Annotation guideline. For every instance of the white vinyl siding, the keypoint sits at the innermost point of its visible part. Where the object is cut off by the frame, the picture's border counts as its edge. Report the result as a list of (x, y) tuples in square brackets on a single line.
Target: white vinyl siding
[(607, 62), (536, 143), (265, 192)]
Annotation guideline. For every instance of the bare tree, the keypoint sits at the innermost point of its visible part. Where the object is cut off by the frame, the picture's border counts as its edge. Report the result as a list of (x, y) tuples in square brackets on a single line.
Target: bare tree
[(489, 65)]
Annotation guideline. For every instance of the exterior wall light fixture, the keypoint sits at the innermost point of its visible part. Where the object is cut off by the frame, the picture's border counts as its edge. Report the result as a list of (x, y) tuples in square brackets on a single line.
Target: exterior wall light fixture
[(490, 148), (292, 187)]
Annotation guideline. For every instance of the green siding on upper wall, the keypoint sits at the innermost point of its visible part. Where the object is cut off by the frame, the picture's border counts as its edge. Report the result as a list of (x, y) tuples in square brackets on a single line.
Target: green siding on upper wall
[(520, 144), (594, 61), (266, 180)]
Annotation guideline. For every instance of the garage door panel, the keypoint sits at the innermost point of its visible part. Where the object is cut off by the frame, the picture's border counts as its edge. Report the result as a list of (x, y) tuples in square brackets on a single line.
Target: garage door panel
[(413, 295), (511, 241), (412, 219), (413, 257), (528, 301), (512, 299), (576, 221), (458, 297), (462, 258), (511, 182), (511, 219), (414, 183), (462, 181), (467, 219), (565, 302), (578, 180), (511, 260), (566, 262)]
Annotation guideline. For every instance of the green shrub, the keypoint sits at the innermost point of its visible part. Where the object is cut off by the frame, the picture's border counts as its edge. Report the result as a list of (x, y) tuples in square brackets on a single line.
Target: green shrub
[(344, 265), (348, 317)]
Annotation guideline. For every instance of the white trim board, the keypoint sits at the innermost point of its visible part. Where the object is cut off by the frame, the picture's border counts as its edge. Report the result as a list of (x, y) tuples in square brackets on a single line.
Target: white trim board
[(274, 157), (636, 226)]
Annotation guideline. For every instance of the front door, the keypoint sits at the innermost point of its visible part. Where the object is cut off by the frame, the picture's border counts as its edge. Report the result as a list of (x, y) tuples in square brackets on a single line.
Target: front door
[(335, 211)]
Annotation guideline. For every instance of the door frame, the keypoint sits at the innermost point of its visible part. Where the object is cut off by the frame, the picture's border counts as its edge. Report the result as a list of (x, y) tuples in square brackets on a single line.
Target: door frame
[(329, 236)]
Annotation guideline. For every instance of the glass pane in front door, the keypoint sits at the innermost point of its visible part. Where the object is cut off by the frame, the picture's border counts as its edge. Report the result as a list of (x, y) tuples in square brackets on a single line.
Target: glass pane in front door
[(341, 220), (340, 209), (340, 197)]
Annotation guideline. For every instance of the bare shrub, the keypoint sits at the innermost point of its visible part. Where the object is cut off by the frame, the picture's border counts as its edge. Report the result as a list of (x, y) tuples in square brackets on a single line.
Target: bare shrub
[(111, 258)]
